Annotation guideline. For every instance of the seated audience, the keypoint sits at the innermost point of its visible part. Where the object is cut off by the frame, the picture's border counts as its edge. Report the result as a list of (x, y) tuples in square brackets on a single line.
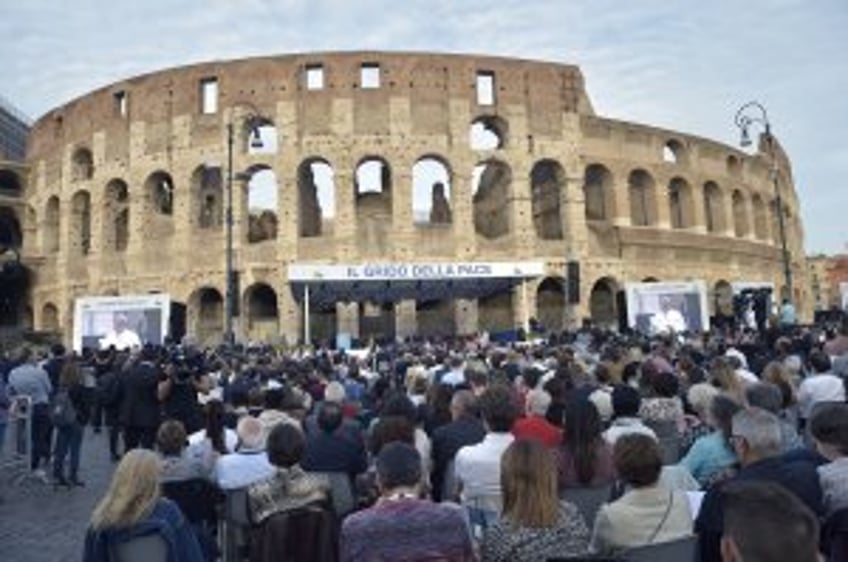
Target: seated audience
[(712, 455), (178, 462), (820, 387), (768, 397), (215, 435), (465, 429), (625, 406), (829, 428), (249, 463), (534, 425), (584, 460), (290, 487), (534, 523), (723, 376), (276, 402), (401, 526), (663, 403), (333, 447), (699, 398), (757, 441), (132, 508), (648, 513), (478, 467), (763, 522), (400, 405)]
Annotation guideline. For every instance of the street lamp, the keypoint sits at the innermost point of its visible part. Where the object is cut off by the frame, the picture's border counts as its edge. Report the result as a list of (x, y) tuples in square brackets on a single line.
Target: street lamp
[(744, 120), (252, 122)]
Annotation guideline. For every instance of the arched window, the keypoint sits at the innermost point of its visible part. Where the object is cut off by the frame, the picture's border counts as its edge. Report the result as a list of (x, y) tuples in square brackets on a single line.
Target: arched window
[(82, 165), (51, 225), (10, 229), (431, 192), (674, 152), (597, 189), (317, 196), (159, 189), (81, 222), (713, 207), (207, 187), (10, 183), (547, 181), (262, 312), (680, 203), (488, 132), (261, 205), (741, 226), (50, 318), (116, 216), (643, 200), (491, 194), (760, 218)]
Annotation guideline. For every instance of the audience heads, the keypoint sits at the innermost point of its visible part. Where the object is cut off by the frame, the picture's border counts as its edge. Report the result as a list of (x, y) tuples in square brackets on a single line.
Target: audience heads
[(820, 361), (463, 403), (398, 466), (722, 410), (171, 438), (763, 522), (285, 445), (531, 377), (776, 373), (756, 435), (537, 403), (766, 396), (133, 492), (334, 392), (829, 428), (666, 385), (400, 405), (626, 402), (602, 400), (638, 460), (529, 484), (390, 429), (700, 397), (498, 408), (581, 436), (477, 378), (249, 430), (330, 417)]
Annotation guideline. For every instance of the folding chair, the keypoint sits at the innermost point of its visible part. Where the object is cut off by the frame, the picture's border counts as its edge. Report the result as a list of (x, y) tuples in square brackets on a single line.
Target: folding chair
[(588, 500)]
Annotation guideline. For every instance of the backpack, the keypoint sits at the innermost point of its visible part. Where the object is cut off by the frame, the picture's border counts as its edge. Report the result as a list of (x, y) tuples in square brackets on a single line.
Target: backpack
[(62, 411)]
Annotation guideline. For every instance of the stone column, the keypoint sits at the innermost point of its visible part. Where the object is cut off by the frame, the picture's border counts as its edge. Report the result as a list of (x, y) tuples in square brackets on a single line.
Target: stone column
[(345, 222), (463, 215), (405, 320), (290, 313)]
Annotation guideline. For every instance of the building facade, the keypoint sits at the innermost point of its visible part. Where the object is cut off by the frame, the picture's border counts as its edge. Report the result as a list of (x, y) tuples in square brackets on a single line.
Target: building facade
[(385, 158), (826, 274)]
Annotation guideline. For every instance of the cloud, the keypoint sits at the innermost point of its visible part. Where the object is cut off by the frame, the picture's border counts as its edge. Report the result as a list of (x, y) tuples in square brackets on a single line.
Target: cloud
[(684, 65)]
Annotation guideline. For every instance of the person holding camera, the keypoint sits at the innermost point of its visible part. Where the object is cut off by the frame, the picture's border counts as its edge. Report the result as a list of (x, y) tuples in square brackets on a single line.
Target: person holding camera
[(178, 388)]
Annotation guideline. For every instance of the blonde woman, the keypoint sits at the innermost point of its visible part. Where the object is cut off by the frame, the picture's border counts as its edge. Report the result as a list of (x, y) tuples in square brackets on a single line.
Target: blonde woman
[(534, 524), (132, 508)]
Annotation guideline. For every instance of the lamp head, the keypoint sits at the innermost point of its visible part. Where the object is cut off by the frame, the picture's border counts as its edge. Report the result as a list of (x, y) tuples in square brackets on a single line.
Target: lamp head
[(255, 138), (745, 139)]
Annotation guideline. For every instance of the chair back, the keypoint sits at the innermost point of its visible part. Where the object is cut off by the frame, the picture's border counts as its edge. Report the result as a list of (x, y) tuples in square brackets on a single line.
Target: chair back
[(148, 548), (307, 534), (588, 500), (668, 438), (680, 550), (236, 508), (449, 487), (834, 536), (341, 493), (197, 498)]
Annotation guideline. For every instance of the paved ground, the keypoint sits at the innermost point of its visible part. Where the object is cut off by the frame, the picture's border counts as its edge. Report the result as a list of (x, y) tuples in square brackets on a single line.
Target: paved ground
[(40, 524)]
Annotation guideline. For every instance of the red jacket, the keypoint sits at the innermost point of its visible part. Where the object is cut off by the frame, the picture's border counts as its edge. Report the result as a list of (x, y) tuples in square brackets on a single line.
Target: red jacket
[(538, 429)]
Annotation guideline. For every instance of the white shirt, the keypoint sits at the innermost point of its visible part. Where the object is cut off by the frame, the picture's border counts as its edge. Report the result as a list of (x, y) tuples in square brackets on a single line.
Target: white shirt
[(627, 426), (478, 468), (670, 321), (824, 387), (454, 378), (230, 438), (746, 376), (240, 470), (125, 339)]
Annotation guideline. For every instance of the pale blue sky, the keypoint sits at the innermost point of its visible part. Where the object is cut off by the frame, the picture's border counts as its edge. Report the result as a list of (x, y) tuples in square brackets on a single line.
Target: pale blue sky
[(685, 64)]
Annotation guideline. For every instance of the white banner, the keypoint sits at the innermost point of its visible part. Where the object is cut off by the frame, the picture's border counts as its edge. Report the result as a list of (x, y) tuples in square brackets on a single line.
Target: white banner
[(121, 322), (414, 271), (662, 308)]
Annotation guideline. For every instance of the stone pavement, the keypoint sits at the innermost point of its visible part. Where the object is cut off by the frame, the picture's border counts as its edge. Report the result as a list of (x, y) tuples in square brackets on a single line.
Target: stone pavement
[(38, 524)]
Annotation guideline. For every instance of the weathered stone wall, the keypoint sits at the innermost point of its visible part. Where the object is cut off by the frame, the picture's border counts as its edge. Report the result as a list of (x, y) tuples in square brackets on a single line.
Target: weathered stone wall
[(423, 107)]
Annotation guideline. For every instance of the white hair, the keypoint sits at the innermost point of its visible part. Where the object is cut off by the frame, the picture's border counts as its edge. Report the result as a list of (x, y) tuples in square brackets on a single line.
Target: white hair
[(538, 402), (701, 397), (334, 392), (249, 430), (760, 429)]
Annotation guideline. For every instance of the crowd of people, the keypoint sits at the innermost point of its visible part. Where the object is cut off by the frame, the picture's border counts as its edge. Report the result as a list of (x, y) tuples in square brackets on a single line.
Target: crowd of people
[(578, 445)]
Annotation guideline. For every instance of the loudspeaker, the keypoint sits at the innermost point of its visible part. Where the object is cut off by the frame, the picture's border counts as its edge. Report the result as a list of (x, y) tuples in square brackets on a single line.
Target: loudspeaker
[(572, 277)]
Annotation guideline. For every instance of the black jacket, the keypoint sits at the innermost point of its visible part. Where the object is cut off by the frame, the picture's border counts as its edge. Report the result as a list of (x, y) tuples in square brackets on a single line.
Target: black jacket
[(139, 402), (447, 440)]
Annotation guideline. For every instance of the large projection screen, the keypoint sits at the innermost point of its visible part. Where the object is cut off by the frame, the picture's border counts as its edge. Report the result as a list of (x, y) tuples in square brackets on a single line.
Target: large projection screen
[(664, 308), (121, 322)]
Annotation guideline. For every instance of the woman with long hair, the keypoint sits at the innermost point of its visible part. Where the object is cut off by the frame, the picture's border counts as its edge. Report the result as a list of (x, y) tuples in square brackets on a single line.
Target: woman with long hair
[(215, 435), (70, 411), (723, 376), (132, 507), (534, 524), (585, 458)]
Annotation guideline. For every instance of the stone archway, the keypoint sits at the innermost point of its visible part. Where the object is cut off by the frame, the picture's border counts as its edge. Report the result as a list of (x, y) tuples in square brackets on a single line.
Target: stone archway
[(206, 313), (550, 304), (495, 312), (603, 305), (261, 313), (436, 318)]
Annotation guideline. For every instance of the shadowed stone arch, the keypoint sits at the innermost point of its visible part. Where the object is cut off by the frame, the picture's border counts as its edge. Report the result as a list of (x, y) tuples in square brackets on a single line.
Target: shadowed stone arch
[(206, 312), (317, 192), (81, 222), (52, 213), (598, 192), (82, 164), (50, 318), (741, 223), (10, 183), (547, 182), (680, 204), (603, 309), (207, 190), (550, 303), (431, 191), (116, 216), (260, 301), (492, 199), (642, 192), (714, 208)]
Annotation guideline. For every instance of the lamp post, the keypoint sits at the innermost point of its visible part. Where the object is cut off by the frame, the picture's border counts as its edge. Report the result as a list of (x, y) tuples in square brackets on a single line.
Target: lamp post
[(751, 113), (253, 121)]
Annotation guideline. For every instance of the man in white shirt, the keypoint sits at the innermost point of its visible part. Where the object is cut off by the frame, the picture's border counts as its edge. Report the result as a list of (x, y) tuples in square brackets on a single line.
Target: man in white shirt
[(668, 319), (456, 375), (625, 406), (823, 386), (249, 464), (121, 337), (478, 467)]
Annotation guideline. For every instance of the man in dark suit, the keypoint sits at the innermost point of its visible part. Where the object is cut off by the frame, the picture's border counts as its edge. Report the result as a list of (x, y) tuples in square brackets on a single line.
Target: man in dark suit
[(140, 410), (757, 440), (465, 429), (335, 446)]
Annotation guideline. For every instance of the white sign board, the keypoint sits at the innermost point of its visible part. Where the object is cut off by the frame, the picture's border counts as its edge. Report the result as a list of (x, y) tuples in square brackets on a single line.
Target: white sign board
[(121, 322), (414, 271), (664, 308)]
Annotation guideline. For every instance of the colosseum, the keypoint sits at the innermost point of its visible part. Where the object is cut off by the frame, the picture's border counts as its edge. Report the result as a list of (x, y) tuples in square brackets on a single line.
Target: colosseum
[(407, 165)]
